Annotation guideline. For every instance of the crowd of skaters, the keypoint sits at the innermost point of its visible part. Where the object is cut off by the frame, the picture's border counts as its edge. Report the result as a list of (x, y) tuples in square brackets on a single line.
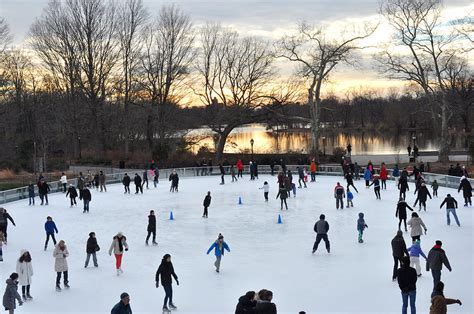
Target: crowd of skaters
[(285, 187)]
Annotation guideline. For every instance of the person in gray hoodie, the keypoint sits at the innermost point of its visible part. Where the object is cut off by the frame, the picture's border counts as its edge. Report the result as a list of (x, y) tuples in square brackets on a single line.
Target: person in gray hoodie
[(321, 227), (11, 294)]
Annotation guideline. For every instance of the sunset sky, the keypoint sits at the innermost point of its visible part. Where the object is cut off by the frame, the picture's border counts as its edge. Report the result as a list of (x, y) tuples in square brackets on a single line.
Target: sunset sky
[(269, 19)]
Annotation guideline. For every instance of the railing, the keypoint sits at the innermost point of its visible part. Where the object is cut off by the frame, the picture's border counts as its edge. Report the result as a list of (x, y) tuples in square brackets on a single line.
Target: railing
[(115, 175)]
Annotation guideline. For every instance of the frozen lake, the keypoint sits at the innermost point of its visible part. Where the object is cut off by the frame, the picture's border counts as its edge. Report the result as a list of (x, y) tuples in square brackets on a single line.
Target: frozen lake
[(354, 278)]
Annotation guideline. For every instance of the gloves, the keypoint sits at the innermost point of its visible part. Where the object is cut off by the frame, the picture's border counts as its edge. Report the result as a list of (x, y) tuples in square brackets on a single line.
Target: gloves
[(425, 231), (157, 284), (459, 302), (64, 255), (20, 303), (177, 282), (126, 249)]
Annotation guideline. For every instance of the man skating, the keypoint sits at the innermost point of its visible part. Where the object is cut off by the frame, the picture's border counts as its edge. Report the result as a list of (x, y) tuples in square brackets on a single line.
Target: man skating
[(321, 227)]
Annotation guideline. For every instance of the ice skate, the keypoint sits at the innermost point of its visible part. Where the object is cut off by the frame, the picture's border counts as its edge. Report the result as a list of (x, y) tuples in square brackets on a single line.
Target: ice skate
[(172, 306), (28, 296), (66, 285), (58, 288), (166, 310)]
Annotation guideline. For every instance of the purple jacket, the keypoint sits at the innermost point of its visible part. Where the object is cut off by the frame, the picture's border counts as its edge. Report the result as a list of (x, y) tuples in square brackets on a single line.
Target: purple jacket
[(415, 250)]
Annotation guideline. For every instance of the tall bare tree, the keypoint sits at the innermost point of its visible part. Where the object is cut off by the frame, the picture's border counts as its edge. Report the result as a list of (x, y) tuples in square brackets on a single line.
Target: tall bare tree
[(165, 63), (422, 53), (5, 36), (132, 19), (317, 54), (233, 72)]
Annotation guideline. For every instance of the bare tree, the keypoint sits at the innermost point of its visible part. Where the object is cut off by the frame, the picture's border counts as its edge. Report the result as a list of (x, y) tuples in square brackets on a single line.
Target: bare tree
[(233, 72), (132, 19), (423, 52), (5, 36), (165, 64), (317, 55)]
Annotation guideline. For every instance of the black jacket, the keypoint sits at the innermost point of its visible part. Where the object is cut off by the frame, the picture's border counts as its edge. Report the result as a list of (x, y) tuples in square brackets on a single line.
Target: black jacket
[(466, 187), (92, 245), (43, 188), (207, 201), (407, 277), (174, 179), (265, 308), (399, 248), (423, 193), (121, 308), (165, 271), (137, 180), (402, 210), (151, 223), (72, 192), (349, 179), (450, 202), (245, 306), (436, 258), (86, 195), (126, 180), (403, 184)]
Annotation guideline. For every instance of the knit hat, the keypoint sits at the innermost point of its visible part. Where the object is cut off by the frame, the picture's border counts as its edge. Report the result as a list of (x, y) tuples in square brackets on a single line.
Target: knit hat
[(123, 295), (399, 233), (165, 257), (438, 242), (322, 217), (220, 236)]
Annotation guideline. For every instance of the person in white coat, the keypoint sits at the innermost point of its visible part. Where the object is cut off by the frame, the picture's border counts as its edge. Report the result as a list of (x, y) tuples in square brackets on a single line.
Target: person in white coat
[(118, 246), (416, 225), (266, 189), (63, 181), (60, 254), (24, 268)]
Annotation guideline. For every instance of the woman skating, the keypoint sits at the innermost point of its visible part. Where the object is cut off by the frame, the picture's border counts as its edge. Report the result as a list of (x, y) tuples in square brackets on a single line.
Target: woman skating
[(401, 213), (24, 269), (165, 271), (118, 246), (11, 294), (417, 226), (60, 255)]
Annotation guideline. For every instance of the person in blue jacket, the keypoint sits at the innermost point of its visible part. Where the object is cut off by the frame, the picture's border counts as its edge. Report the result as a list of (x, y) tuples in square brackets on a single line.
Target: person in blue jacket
[(415, 252), (219, 246), (350, 197), (50, 228), (396, 172), (361, 225), (367, 177)]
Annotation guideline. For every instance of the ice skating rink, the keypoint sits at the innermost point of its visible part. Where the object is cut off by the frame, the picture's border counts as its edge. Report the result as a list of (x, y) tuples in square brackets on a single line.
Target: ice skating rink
[(354, 278)]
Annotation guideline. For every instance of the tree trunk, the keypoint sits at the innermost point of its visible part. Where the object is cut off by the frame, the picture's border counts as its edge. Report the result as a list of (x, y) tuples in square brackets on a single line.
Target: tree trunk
[(149, 129), (221, 142), (444, 143), (126, 131), (314, 113)]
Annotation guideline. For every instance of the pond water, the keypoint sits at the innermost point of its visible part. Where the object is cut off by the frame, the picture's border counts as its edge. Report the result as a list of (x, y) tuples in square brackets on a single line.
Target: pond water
[(269, 141)]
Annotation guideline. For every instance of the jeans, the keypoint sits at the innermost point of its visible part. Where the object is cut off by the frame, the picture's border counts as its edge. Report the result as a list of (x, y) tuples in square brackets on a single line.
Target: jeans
[(127, 189), (32, 200), (94, 259), (58, 278), (64, 187), (339, 201), (361, 232), (265, 194), (436, 277), (452, 211), (217, 263), (320, 237), (205, 212), (313, 176), (47, 239), (395, 266), (86, 205), (412, 296), (168, 295)]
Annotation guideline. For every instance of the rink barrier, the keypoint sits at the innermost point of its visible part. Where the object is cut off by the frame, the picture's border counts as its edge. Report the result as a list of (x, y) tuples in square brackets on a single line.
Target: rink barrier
[(115, 175)]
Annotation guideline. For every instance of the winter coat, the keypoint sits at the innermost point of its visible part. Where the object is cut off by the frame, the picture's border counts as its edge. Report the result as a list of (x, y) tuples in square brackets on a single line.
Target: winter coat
[(207, 201), (25, 272), (396, 172), (50, 227), (121, 308), (407, 277), (245, 306), (466, 187), (399, 248), (217, 251), (321, 227), (115, 246), (71, 191), (11, 293), (439, 304), (60, 263), (415, 250), (436, 258), (312, 167), (339, 191), (151, 223), (301, 172), (350, 196), (416, 225), (450, 202), (31, 190), (434, 185), (126, 180), (86, 195), (239, 165), (102, 178), (92, 246), (266, 188), (174, 179), (137, 180), (423, 194), (367, 174), (375, 183), (361, 222), (383, 173), (402, 210), (349, 179), (63, 179), (165, 271), (80, 183), (403, 184), (265, 307), (283, 193), (4, 217), (43, 188)]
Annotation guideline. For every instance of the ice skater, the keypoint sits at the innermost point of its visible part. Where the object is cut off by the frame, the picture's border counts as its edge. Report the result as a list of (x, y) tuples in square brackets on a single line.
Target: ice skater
[(11, 294), (416, 224), (86, 199), (60, 255), (466, 188), (4, 218), (50, 228), (350, 181), (266, 189), (383, 176), (339, 195), (399, 250), (206, 203), (232, 173), (436, 258), (367, 177), (118, 246), (91, 250), (422, 196), (407, 278), (376, 184), (222, 171), (126, 183), (165, 271), (301, 177), (174, 179), (24, 268), (283, 194), (451, 205), (72, 193), (321, 227), (123, 307), (2, 241), (439, 302), (219, 246), (138, 184), (151, 228), (361, 225), (403, 186), (415, 252), (401, 213), (434, 187), (31, 194), (350, 197)]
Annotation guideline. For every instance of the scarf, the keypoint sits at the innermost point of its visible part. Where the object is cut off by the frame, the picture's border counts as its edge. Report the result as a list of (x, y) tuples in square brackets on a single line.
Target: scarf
[(120, 243)]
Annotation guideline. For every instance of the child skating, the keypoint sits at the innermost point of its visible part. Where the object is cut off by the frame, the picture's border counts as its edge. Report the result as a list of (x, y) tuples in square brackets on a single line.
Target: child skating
[(266, 189), (361, 225), (219, 246), (350, 197)]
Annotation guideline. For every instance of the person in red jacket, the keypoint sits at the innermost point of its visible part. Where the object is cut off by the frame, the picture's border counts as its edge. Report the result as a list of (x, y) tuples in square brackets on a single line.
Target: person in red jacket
[(240, 168), (383, 176)]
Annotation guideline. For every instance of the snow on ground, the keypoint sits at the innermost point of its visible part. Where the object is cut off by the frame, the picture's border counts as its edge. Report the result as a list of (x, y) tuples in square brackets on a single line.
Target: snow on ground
[(353, 278)]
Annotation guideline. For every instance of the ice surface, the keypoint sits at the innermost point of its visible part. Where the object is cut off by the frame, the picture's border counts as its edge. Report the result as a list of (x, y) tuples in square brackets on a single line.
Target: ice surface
[(354, 278)]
